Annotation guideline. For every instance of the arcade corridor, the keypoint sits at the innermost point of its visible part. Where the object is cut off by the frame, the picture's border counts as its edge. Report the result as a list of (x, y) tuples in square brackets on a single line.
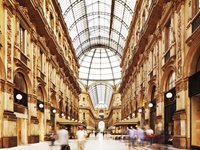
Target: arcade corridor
[(83, 67)]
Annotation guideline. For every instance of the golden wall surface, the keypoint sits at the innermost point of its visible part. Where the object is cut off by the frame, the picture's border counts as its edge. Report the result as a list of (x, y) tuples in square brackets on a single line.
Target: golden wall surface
[(87, 112), (34, 43), (162, 41)]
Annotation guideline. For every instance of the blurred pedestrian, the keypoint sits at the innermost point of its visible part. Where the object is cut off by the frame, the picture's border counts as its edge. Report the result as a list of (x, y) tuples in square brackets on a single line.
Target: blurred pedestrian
[(140, 135), (150, 135), (133, 136), (81, 137), (62, 138)]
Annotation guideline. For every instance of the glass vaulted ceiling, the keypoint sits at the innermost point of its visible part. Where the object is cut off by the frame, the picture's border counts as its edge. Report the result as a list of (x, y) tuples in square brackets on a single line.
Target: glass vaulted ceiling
[(98, 29)]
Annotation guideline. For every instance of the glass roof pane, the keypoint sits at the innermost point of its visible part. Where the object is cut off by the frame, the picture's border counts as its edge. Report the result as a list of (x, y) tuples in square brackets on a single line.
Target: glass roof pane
[(100, 94), (98, 38), (100, 62)]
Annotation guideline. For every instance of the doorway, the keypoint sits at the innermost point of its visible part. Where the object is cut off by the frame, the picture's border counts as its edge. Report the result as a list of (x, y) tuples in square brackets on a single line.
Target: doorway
[(170, 109), (101, 126), (195, 114)]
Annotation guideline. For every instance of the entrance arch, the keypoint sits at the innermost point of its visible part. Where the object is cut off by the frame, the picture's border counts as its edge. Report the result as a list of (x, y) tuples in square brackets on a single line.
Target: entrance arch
[(194, 94), (101, 126)]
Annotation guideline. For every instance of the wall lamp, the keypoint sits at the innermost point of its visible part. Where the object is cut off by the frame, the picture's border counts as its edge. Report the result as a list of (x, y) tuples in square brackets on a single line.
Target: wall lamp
[(169, 95), (19, 97), (41, 105), (150, 105), (140, 110), (62, 114), (54, 111)]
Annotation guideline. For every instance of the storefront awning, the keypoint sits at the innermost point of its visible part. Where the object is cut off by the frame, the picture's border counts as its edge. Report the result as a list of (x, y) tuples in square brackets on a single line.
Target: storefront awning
[(133, 121), (69, 122)]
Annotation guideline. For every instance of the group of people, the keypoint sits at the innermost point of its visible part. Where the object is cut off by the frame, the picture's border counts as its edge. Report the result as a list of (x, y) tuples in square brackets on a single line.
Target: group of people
[(139, 135), (61, 137)]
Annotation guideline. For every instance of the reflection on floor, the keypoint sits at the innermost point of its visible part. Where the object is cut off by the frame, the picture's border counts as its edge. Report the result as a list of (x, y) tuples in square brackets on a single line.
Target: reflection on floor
[(92, 144)]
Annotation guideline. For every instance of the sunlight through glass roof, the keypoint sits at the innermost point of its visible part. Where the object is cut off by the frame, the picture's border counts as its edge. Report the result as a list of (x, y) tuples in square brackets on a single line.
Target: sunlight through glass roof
[(100, 64), (100, 94), (98, 29)]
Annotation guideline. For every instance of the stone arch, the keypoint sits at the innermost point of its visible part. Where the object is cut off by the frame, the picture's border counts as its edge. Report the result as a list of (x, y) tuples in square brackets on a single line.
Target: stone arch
[(61, 105), (40, 94), (20, 82), (54, 101), (150, 89), (191, 61), (43, 92), (165, 76), (26, 77)]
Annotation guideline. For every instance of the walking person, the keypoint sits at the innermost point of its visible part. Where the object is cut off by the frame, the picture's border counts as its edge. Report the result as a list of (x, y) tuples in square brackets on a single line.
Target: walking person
[(81, 137), (133, 136), (63, 137), (140, 135), (150, 135)]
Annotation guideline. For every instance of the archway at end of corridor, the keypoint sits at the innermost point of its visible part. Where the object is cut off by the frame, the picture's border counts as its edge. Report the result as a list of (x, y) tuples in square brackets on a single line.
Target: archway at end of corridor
[(101, 126)]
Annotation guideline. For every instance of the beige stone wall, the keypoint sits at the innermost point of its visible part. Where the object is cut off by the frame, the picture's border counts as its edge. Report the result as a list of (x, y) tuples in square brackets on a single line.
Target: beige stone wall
[(153, 51), (86, 109), (114, 112), (47, 61)]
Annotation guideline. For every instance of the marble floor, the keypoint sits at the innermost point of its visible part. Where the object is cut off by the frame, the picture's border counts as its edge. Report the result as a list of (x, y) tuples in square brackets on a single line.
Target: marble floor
[(92, 144)]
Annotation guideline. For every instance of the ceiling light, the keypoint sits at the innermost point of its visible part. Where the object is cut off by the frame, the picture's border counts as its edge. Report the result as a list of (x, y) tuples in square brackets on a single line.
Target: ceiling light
[(19, 97), (62, 114), (169, 95)]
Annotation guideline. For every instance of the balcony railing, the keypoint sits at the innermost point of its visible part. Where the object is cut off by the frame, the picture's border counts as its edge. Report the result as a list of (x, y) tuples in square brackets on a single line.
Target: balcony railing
[(196, 22)]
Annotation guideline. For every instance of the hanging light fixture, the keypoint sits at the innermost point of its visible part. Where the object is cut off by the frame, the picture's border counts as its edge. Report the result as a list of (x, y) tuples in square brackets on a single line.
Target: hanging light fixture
[(169, 95), (41, 105), (19, 97), (150, 105), (140, 110), (62, 114), (54, 111)]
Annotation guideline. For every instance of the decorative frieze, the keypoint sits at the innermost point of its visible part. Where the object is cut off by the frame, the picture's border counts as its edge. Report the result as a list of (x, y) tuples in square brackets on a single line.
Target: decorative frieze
[(9, 44), (179, 45)]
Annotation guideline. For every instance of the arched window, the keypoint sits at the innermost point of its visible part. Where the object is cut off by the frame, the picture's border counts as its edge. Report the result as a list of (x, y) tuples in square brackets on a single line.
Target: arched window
[(171, 81), (53, 101), (40, 94), (198, 65), (101, 126), (20, 83), (153, 92), (40, 100), (20, 90)]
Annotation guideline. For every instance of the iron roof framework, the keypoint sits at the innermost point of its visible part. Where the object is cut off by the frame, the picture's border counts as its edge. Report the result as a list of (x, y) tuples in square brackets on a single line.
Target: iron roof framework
[(98, 29)]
